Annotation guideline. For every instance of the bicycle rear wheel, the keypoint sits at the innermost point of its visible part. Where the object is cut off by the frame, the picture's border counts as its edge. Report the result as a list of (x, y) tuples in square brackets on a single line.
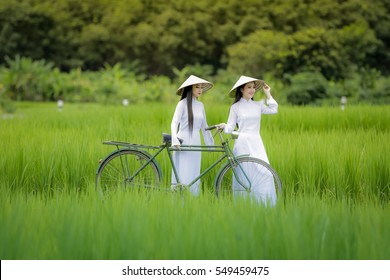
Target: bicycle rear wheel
[(127, 169), (262, 178)]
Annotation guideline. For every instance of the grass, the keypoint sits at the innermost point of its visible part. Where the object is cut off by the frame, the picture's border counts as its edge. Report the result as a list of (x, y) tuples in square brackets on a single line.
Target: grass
[(164, 226), (333, 166)]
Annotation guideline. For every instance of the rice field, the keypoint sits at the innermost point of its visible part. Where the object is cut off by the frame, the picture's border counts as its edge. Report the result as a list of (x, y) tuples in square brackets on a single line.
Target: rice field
[(334, 166)]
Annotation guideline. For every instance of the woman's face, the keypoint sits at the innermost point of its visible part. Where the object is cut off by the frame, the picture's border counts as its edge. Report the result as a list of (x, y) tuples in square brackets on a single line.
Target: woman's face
[(248, 91), (196, 90)]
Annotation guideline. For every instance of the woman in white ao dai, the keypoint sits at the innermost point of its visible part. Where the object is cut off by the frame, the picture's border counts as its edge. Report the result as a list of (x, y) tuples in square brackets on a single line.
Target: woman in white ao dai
[(246, 114), (187, 122)]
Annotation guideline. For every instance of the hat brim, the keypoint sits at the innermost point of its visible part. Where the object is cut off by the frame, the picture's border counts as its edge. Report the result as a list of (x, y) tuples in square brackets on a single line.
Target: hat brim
[(258, 84), (194, 80), (205, 87)]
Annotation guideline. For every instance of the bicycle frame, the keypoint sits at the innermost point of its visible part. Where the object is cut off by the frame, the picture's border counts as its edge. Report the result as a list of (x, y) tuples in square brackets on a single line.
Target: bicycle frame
[(224, 149)]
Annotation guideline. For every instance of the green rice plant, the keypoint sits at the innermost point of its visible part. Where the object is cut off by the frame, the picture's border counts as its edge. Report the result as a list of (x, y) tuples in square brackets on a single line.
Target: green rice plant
[(166, 226), (45, 149), (331, 152), (333, 165)]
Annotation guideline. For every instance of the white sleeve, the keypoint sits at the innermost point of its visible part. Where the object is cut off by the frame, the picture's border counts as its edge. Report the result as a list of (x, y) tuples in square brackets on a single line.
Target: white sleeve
[(207, 136), (175, 123), (232, 120), (272, 107)]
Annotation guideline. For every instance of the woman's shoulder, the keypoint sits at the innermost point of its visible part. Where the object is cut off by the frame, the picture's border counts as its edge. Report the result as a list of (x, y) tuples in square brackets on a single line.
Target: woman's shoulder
[(181, 105), (182, 102), (235, 105)]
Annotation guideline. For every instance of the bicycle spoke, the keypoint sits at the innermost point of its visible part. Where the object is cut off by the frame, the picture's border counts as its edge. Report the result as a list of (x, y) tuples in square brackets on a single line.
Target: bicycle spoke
[(128, 169), (251, 177)]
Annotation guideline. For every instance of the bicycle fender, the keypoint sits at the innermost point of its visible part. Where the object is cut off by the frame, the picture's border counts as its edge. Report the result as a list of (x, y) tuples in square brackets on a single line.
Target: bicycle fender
[(148, 155)]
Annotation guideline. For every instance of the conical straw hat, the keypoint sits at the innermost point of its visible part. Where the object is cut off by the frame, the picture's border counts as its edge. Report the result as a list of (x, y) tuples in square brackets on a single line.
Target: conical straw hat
[(242, 81), (193, 80)]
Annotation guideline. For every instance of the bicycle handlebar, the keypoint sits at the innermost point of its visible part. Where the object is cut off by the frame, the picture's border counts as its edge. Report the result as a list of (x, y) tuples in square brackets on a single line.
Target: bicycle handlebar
[(211, 127), (235, 134)]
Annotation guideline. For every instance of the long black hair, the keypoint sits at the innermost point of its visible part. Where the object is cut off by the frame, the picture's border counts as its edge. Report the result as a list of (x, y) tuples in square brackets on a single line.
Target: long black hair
[(238, 94), (187, 92)]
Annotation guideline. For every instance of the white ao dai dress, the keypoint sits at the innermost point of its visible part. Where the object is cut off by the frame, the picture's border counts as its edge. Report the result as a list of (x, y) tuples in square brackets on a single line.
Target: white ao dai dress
[(247, 115), (188, 163)]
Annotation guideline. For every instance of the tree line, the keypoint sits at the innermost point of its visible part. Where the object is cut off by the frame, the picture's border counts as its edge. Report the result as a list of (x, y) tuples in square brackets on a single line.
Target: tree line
[(320, 41), (155, 36)]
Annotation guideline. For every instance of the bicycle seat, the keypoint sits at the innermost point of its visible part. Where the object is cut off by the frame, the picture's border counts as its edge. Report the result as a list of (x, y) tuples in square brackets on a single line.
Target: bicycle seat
[(167, 138)]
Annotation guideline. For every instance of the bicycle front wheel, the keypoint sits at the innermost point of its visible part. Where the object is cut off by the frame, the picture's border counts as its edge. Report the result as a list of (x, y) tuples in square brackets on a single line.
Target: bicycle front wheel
[(127, 169), (248, 176)]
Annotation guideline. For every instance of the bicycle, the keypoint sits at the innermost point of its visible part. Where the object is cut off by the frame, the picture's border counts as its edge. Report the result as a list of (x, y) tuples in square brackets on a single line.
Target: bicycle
[(132, 166)]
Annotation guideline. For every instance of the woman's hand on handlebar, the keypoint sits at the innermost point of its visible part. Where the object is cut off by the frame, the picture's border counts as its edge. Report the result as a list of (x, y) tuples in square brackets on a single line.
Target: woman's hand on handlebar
[(221, 126)]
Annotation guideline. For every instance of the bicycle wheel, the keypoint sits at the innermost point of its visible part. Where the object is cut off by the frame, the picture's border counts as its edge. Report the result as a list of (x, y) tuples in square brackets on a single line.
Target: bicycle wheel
[(263, 179), (126, 169)]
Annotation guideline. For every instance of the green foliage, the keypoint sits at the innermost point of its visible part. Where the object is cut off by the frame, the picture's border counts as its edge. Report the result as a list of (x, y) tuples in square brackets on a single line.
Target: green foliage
[(26, 31), (27, 79), (306, 88), (381, 93), (334, 53), (197, 69), (5, 104), (277, 37)]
